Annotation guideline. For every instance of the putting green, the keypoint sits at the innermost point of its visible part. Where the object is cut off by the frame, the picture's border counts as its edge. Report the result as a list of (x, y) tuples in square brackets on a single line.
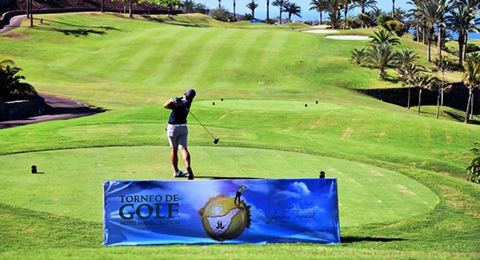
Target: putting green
[(70, 182), (270, 105)]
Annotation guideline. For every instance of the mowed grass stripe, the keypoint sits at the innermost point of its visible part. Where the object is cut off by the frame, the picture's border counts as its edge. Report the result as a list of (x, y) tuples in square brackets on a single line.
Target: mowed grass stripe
[(105, 62), (112, 60), (179, 58), (217, 67), (248, 46), (163, 42), (127, 55), (149, 50), (243, 50), (201, 57)]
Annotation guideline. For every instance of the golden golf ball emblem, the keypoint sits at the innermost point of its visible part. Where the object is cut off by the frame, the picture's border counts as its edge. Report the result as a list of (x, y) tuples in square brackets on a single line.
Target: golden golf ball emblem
[(225, 218)]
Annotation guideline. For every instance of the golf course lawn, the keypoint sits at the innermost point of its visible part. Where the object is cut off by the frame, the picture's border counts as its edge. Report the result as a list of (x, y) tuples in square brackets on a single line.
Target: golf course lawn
[(56, 189), (282, 104)]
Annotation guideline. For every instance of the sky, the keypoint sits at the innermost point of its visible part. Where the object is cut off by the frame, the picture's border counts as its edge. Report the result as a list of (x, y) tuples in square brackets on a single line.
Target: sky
[(260, 11)]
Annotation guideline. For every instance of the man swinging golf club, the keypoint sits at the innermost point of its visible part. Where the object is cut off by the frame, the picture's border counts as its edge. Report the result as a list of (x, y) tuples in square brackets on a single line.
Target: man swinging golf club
[(177, 131)]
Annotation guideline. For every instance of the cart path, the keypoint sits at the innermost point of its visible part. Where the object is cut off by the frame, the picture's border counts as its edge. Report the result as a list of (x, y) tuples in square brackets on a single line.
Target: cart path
[(14, 23), (59, 109)]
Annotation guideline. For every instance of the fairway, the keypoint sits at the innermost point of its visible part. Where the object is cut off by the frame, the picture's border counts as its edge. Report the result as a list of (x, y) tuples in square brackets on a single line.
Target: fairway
[(270, 105), (70, 181)]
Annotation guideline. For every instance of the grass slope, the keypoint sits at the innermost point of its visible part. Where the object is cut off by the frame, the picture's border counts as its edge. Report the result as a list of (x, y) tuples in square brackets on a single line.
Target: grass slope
[(266, 75)]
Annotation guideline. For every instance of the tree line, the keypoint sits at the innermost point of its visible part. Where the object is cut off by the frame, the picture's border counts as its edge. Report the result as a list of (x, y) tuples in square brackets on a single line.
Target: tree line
[(380, 53), (431, 18)]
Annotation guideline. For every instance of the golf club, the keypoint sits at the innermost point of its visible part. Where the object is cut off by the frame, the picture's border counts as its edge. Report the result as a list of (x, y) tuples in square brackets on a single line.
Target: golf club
[(215, 140)]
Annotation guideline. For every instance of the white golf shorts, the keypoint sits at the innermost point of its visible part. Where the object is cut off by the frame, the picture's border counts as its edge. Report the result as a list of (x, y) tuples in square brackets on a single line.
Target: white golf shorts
[(177, 135)]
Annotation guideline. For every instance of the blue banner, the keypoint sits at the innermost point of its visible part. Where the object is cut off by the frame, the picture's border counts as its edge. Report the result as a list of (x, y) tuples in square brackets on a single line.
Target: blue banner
[(234, 211)]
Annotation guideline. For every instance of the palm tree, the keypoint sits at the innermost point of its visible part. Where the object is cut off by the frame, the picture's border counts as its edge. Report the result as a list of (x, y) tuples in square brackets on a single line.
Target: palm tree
[(358, 55), (462, 19), (11, 88), (319, 6), (471, 79), (30, 11), (375, 13), (346, 7), (293, 9), (234, 15), (404, 60), (393, 9), (383, 36), (400, 14), (424, 81), (5, 62), (415, 20), (405, 57), (363, 4), (252, 6), (381, 57), (408, 73), (333, 8), (281, 5), (268, 10), (335, 19), (188, 6), (443, 65), (431, 12)]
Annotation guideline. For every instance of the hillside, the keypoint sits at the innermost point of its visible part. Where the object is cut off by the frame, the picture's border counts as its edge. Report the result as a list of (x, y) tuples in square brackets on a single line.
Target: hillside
[(64, 4)]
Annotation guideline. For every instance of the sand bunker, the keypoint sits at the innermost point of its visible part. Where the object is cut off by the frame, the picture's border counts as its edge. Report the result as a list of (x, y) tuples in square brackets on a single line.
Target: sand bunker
[(322, 26), (321, 31), (349, 37)]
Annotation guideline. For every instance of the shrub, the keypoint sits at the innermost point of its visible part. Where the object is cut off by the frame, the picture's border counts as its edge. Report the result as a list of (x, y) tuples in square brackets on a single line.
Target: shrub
[(383, 19), (395, 26), (221, 14), (365, 19), (247, 17), (270, 21), (474, 168), (351, 23), (472, 48), (450, 49), (11, 85)]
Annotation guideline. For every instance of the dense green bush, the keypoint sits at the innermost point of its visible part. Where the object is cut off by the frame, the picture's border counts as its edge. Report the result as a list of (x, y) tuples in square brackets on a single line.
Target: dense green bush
[(351, 23), (221, 14), (474, 167), (472, 47), (396, 27), (247, 17), (383, 19), (11, 86)]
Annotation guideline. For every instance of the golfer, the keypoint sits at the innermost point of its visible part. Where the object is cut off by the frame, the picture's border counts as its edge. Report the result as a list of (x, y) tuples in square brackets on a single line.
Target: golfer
[(239, 194), (177, 131)]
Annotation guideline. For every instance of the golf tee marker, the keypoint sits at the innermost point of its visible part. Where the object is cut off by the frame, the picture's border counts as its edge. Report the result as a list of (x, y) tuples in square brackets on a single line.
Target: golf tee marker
[(239, 211)]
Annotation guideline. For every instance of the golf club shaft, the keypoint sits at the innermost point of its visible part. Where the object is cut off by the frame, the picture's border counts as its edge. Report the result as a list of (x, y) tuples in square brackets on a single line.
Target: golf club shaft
[(201, 124)]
